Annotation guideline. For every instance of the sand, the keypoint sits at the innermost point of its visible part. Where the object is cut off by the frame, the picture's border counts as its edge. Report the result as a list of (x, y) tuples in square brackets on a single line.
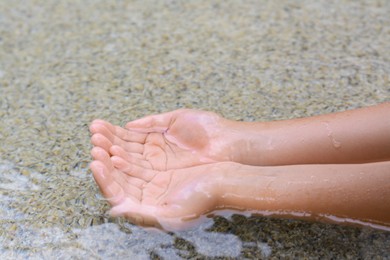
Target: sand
[(63, 64)]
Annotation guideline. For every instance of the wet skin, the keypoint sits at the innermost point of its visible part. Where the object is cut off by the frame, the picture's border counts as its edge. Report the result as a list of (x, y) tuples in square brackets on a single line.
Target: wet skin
[(154, 198), (174, 140), (164, 169), (185, 138)]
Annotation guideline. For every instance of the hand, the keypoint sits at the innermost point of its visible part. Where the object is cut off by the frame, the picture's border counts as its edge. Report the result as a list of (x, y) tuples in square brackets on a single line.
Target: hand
[(173, 140), (168, 199)]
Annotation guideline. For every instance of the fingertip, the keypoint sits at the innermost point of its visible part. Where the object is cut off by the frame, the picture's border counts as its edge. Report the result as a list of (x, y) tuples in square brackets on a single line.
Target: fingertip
[(93, 139), (110, 189), (97, 168), (94, 152), (98, 121), (94, 128), (98, 152), (118, 162), (96, 138), (101, 141), (118, 211), (93, 165), (99, 124), (116, 150), (125, 206)]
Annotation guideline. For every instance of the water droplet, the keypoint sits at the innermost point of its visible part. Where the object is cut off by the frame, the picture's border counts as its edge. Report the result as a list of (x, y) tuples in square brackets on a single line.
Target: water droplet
[(336, 144)]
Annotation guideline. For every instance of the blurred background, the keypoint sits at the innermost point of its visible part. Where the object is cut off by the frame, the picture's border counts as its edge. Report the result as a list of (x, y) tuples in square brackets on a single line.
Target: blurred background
[(65, 63)]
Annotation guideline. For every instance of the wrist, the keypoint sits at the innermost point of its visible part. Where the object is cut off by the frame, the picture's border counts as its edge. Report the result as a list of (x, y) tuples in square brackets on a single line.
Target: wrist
[(242, 187), (249, 142)]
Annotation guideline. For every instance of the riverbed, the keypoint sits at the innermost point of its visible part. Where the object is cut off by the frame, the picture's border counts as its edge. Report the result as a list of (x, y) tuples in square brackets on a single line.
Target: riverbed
[(65, 63)]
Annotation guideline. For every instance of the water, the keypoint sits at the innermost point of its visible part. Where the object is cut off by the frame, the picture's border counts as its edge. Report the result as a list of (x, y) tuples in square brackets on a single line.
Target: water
[(336, 144), (63, 64), (76, 226)]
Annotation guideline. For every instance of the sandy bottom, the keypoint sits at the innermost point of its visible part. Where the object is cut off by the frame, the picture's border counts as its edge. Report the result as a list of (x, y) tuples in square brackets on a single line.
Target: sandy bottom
[(64, 64)]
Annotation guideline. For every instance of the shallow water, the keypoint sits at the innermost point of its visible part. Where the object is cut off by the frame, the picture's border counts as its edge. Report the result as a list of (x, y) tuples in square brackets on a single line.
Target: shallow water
[(47, 220), (64, 64)]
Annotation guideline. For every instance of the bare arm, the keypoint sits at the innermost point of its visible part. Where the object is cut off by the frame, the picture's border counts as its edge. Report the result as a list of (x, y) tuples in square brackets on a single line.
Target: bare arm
[(355, 136), (352, 192), (167, 167)]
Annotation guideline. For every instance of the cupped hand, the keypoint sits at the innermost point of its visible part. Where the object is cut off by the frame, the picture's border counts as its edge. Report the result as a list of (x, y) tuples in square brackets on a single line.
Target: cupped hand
[(167, 199), (173, 140)]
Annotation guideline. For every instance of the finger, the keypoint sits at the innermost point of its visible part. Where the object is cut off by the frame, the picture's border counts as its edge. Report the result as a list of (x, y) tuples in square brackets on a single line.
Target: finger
[(98, 129), (107, 185), (110, 127), (133, 147), (145, 215), (120, 132), (100, 140), (130, 186), (99, 154), (132, 169), (154, 123), (103, 122), (130, 136), (125, 207), (119, 151), (96, 122)]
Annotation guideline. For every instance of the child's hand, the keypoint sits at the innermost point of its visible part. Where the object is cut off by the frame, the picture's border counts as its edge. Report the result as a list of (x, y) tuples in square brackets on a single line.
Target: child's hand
[(154, 198), (174, 140)]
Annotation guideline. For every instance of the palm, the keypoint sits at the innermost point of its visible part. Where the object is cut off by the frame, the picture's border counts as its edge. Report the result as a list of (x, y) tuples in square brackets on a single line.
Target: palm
[(150, 197), (178, 139)]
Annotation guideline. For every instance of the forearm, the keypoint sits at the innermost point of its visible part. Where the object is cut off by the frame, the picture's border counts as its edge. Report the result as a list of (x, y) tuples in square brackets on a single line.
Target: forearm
[(351, 191), (361, 135)]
